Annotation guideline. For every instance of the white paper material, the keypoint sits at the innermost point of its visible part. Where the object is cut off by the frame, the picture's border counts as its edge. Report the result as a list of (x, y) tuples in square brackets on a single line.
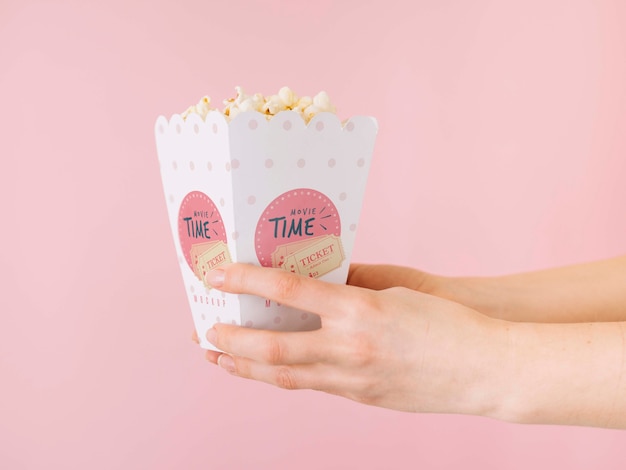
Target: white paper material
[(274, 193)]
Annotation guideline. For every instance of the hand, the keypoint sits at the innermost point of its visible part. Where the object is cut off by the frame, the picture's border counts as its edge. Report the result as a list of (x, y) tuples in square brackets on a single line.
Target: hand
[(588, 292), (384, 276), (394, 348)]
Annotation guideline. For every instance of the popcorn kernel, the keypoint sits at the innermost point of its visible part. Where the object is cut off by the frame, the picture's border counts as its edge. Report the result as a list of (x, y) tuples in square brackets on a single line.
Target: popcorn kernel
[(271, 105)]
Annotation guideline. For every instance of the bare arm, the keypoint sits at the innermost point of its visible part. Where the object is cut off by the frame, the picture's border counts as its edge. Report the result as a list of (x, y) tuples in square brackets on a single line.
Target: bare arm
[(567, 374), (587, 292), (406, 350)]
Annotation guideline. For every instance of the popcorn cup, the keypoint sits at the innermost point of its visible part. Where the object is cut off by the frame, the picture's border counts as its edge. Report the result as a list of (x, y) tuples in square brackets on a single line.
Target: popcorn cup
[(277, 193)]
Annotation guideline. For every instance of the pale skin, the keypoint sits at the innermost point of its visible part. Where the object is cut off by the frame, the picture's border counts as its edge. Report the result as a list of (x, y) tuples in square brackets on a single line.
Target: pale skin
[(543, 347)]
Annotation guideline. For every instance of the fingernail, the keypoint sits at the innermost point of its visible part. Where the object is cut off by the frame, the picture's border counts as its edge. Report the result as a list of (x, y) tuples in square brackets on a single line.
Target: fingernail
[(211, 336), (215, 277), (226, 362), (212, 356)]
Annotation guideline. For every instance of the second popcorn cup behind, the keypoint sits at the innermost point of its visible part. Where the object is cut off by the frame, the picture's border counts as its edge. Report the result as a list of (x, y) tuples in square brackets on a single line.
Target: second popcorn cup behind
[(277, 193)]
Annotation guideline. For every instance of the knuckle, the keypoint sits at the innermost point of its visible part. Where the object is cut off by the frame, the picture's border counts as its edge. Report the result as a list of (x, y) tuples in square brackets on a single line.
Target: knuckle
[(363, 350), (397, 291), (363, 306), (223, 337), (242, 368), (219, 339), (363, 391), (274, 351), (236, 278), (284, 378), (368, 398), (288, 286)]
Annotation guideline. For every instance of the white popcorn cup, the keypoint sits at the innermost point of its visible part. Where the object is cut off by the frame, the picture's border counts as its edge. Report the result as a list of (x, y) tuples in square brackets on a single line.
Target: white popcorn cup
[(275, 193)]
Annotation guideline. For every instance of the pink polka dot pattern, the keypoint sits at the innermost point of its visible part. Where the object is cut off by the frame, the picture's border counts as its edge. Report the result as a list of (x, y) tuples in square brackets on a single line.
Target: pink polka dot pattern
[(278, 173)]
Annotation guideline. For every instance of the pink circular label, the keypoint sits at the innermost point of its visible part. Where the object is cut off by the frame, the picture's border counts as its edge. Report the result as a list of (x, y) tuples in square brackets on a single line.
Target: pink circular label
[(298, 231), (200, 227)]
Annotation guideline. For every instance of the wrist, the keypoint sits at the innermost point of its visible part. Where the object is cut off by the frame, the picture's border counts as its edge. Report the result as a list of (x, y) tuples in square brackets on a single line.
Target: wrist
[(565, 374), (478, 379), (493, 384), (482, 294)]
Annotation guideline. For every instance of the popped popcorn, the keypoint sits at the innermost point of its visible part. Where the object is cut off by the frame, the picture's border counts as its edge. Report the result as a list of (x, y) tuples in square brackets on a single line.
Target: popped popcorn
[(202, 108), (271, 105)]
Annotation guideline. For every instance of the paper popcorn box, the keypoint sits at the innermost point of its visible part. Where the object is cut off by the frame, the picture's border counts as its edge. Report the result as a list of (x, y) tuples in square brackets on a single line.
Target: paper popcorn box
[(275, 193)]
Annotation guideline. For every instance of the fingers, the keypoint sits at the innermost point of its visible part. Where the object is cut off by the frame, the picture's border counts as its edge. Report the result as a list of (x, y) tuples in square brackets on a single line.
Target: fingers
[(289, 360), (271, 347), (212, 356), (379, 277), (292, 377), (360, 275), (290, 289)]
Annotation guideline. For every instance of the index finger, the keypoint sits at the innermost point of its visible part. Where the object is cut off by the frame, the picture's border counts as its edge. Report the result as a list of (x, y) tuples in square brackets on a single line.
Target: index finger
[(294, 290)]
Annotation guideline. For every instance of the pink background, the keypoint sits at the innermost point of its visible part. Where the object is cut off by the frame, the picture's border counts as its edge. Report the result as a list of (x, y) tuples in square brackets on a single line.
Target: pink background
[(501, 148)]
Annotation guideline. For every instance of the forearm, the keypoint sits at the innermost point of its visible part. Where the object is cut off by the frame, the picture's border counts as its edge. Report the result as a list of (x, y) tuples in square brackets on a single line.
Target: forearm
[(401, 349), (570, 374), (581, 293)]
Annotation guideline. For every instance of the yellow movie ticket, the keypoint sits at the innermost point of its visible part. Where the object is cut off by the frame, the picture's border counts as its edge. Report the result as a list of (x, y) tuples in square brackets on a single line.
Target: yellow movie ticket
[(319, 257), (212, 258)]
